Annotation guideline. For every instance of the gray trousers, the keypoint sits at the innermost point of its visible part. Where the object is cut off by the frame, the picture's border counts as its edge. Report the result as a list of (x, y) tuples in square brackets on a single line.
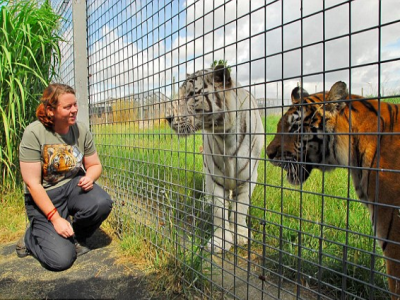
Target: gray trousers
[(88, 209)]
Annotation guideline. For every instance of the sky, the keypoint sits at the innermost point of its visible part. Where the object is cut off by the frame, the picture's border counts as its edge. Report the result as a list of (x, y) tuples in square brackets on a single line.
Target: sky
[(271, 46)]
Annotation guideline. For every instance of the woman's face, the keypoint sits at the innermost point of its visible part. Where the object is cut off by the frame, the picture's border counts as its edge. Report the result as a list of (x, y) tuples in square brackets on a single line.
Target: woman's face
[(65, 113)]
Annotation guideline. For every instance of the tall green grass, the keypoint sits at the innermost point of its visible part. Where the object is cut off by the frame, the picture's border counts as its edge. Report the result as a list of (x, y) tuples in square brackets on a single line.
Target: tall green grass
[(29, 54), (12, 215), (319, 230)]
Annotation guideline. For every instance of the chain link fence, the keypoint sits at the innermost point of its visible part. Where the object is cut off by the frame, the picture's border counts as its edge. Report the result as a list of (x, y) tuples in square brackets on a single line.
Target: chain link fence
[(310, 241)]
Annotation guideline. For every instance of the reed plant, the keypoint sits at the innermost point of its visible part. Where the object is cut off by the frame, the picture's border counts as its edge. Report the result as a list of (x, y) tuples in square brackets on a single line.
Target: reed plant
[(29, 56)]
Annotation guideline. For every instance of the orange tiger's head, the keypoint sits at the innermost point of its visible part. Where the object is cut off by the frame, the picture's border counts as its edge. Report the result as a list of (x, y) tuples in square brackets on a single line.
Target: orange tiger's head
[(58, 159), (302, 143), (325, 130)]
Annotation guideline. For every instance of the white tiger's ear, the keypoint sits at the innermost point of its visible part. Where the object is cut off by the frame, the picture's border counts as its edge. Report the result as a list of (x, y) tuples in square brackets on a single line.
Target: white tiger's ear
[(338, 92), (222, 74), (298, 94)]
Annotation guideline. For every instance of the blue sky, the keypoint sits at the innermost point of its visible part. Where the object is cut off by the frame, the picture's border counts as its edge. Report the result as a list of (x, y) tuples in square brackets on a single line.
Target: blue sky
[(137, 46)]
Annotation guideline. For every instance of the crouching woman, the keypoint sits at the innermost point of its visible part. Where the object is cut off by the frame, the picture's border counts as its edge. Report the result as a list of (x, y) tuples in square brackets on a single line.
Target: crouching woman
[(59, 166)]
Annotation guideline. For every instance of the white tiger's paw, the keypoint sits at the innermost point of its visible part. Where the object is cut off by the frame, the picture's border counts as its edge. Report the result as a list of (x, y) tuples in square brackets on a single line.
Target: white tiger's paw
[(219, 242), (242, 233)]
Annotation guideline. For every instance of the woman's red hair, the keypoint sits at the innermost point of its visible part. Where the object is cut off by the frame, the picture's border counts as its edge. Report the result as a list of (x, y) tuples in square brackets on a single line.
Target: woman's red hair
[(50, 99)]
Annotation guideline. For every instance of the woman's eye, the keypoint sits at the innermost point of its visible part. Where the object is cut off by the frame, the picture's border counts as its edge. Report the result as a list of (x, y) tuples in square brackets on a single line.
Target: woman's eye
[(70, 106)]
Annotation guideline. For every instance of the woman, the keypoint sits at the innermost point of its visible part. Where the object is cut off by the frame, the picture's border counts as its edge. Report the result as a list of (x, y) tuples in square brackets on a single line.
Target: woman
[(59, 165)]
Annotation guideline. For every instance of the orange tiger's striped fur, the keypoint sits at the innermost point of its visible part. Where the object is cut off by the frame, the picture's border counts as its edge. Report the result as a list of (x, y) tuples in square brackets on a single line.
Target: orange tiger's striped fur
[(323, 130)]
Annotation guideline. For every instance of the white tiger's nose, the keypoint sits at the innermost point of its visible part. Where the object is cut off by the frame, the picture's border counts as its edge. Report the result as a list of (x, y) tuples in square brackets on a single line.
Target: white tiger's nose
[(169, 119), (169, 115)]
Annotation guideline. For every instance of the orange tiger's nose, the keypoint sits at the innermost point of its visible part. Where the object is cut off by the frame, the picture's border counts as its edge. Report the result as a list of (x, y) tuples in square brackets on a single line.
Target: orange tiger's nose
[(271, 150)]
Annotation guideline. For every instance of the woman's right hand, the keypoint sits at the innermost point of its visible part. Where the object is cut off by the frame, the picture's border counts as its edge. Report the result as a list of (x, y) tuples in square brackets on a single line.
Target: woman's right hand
[(32, 174), (62, 226)]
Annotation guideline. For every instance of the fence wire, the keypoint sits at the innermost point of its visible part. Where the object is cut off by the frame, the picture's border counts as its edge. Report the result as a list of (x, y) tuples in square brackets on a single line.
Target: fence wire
[(67, 67), (314, 240)]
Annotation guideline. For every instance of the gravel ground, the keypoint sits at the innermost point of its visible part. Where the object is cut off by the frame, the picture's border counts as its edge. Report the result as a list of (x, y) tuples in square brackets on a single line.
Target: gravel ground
[(95, 275)]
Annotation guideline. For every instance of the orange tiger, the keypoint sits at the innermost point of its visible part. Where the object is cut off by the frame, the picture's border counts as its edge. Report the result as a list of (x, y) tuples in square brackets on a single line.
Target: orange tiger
[(58, 160), (323, 130)]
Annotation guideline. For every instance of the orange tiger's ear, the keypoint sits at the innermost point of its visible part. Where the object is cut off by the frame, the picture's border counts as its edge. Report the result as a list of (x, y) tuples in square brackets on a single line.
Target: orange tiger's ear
[(298, 94), (338, 92)]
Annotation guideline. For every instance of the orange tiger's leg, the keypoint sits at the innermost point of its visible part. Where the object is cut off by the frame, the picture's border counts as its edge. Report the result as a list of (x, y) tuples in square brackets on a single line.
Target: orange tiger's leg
[(392, 251)]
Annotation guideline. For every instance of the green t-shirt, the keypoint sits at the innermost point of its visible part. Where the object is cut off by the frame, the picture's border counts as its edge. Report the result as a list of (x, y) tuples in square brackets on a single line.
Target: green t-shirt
[(60, 155)]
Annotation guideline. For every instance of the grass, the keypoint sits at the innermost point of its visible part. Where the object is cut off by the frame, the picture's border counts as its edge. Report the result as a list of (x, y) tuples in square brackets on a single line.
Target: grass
[(319, 230), (160, 215), (394, 100), (29, 54), (12, 215)]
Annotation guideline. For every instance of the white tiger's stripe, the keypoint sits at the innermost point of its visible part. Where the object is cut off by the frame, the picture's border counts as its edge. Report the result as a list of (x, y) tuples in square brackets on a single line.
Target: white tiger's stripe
[(233, 137)]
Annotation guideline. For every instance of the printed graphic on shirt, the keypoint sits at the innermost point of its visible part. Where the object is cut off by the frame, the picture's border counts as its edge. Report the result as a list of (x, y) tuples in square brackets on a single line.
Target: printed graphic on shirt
[(60, 161)]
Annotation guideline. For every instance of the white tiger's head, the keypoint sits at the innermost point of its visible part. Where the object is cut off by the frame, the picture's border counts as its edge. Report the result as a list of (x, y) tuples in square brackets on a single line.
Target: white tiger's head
[(202, 102)]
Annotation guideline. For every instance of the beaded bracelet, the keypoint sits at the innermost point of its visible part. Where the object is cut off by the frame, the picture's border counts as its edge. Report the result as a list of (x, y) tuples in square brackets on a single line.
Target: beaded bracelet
[(51, 214)]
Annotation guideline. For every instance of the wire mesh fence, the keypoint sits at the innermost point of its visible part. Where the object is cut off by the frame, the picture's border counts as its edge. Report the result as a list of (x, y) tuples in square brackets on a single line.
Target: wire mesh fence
[(195, 166), (64, 9)]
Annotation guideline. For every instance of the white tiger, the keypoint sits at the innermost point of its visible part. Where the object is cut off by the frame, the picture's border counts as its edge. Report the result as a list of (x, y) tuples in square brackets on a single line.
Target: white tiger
[(233, 137)]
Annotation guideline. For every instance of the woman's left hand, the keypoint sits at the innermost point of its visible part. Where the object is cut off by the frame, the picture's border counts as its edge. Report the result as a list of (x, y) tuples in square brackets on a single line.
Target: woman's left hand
[(86, 183)]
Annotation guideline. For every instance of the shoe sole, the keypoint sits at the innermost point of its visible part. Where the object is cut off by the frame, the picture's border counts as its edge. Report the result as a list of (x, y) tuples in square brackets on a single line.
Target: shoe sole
[(82, 252), (21, 253)]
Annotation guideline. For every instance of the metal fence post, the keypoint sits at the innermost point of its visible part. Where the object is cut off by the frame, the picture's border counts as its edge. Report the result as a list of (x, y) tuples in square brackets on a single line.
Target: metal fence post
[(80, 59)]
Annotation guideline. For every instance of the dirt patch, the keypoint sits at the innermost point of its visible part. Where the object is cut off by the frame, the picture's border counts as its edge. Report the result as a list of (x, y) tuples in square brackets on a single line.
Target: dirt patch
[(95, 275)]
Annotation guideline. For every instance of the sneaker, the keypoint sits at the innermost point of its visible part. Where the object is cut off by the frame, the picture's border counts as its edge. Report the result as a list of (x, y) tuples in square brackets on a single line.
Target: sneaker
[(81, 247), (21, 249)]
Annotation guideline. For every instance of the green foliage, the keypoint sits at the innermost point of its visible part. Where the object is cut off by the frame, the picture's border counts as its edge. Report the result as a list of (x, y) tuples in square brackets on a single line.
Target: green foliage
[(221, 62), (29, 52)]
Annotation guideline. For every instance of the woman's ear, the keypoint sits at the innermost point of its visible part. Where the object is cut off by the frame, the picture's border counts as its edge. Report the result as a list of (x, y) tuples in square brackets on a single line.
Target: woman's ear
[(49, 111)]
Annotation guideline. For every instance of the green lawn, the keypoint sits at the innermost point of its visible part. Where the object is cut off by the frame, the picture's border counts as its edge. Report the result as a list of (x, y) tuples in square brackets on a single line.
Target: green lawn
[(314, 229)]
